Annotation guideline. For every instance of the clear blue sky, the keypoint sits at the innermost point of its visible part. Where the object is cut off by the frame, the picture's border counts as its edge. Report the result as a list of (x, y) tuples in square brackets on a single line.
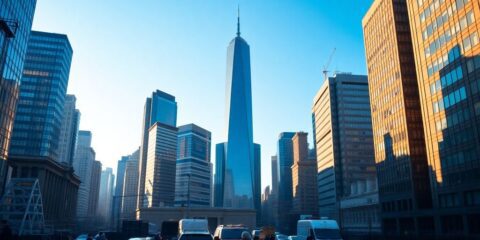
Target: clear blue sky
[(124, 50)]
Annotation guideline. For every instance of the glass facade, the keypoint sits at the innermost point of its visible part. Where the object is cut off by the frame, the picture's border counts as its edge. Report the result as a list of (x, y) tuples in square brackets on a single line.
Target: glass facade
[(69, 132), (160, 107), (219, 180), (15, 25), (285, 161), (447, 57), (130, 187), (41, 102), (83, 165), (194, 169)]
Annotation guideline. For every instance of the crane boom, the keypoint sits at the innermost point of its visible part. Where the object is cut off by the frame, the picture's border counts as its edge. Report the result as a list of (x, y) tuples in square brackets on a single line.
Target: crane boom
[(325, 67)]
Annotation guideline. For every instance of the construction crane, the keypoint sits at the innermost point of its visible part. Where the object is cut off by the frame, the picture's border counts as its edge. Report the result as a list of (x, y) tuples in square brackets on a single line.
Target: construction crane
[(325, 67)]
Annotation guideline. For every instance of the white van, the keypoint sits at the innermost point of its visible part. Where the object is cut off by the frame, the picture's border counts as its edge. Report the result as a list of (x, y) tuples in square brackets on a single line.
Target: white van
[(318, 229), (193, 229)]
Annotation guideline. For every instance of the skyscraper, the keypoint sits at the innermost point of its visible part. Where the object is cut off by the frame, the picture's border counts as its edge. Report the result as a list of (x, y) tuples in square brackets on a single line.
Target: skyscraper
[(193, 184), (38, 121), (240, 155), (304, 178), (69, 131), (94, 189), (161, 107), (285, 161), (83, 165), (398, 132), (161, 165), (130, 187), (445, 37), (118, 193), (343, 139), (219, 179), (106, 195), (16, 22)]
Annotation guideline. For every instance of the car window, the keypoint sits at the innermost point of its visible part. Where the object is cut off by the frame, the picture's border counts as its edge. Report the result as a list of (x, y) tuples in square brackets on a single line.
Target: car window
[(232, 233)]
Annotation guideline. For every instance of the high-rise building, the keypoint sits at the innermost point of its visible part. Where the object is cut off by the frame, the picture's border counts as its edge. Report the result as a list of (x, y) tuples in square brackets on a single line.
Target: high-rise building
[(161, 165), (343, 139), (304, 178), (219, 179), (194, 169), (239, 169), (130, 187), (15, 25), (118, 193), (445, 37), (272, 218), (83, 167), (161, 107), (69, 131), (274, 165), (105, 197), (284, 164), (39, 116), (398, 133), (94, 189)]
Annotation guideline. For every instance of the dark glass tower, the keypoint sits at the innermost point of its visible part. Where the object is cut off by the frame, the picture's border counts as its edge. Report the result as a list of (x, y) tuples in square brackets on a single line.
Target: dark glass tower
[(15, 26), (38, 121)]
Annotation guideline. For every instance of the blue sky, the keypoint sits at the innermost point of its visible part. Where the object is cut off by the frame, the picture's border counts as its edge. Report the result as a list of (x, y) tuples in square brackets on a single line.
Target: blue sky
[(124, 50)]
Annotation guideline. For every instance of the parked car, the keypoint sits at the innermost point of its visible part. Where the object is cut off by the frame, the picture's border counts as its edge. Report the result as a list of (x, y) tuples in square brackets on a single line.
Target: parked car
[(318, 229), (293, 237), (169, 230), (194, 229), (229, 232), (82, 237)]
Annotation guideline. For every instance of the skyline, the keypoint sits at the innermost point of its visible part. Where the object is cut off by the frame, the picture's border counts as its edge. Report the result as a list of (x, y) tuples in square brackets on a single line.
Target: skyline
[(108, 70)]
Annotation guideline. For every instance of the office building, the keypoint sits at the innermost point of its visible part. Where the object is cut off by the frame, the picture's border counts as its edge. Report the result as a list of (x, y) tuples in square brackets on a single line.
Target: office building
[(343, 139), (69, 131), (219, 179), (105, 197), (398, 133), (446, 49), (39, 116), (161, 165), (284, 162), (83, 167), (130, 187), (94, 189), (15, 25), (161, 107), (304, 178), (193, 181)]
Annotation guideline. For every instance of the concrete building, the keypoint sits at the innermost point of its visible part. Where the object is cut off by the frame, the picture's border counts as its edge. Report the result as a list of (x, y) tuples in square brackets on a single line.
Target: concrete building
[(94, 189), (130, 187), (12, 54), (343, 139), (69, 131), (161, 165), (58, 185), (105, 197), (193, 182), (360, 212), (447, 58), (161, 107), (83, 166), (399, 143), (304, 178)]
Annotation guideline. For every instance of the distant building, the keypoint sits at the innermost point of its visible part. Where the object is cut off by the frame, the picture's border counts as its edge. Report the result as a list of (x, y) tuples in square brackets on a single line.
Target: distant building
[(39, 115), (219, 179), (285, 161), (343, 139), (161, 165), (193, 184), (130, 187), (69, 131), (94, 189), (106, 195), (161, 107), (83, 165), (304, 178)]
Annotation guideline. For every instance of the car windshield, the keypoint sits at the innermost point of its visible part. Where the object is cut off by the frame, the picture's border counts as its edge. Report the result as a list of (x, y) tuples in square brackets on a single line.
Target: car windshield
[(327, 234), (195, 237), (232, 233)]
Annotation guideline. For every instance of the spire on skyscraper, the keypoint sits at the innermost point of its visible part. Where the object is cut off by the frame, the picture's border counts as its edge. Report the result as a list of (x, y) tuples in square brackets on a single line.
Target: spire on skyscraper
[(238, 21)]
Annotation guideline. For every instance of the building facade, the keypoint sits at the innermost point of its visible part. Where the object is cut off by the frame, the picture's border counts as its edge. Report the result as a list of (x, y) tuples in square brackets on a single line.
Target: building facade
[(130, 187), (219, 178), (193, 180), (69, 130), (83, 167), (161, 107), (42, 96), (343, 139), (285, 161), (107, 180), (161, 165), (399, 144), (304, 178), (94, 189), (446, 49)]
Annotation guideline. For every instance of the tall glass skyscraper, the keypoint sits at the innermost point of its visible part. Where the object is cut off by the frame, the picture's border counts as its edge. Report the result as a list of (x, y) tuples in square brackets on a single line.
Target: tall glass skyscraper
[(161, 107), (15, 25), (38, 121), (194, 169), (69, 132), (285, 162)]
